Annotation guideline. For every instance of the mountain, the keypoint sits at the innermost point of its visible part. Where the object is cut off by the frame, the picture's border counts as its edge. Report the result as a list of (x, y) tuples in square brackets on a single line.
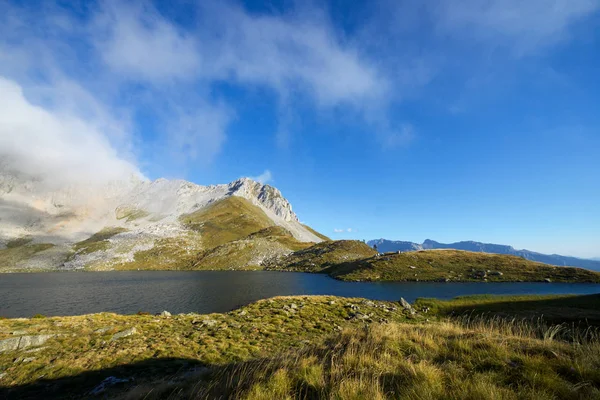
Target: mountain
[(141, 224), (385, 246)]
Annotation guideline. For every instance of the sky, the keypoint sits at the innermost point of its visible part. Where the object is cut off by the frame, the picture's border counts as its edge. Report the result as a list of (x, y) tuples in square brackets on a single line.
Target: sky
[(447, 119)]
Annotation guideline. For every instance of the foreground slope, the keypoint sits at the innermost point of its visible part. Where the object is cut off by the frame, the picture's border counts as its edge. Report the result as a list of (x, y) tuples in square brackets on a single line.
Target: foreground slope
[(316, 347), (138, 224)]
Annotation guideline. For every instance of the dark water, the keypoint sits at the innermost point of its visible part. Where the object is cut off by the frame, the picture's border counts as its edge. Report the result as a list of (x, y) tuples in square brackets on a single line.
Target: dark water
[(74, 293)]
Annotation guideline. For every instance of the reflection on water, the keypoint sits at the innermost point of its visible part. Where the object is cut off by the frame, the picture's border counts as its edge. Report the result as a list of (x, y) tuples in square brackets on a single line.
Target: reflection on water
[(74, 293)]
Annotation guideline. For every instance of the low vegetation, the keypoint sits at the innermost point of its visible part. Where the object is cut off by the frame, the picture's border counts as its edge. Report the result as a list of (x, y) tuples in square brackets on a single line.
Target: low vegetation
[(130, 214), (98, 241), (230, 219), (320, 256), (315, 347), (83, 344), (355, 261), (553, 309), (18, 252)]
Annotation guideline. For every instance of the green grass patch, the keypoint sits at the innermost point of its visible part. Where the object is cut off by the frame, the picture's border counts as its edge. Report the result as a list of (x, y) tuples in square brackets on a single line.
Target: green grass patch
[(11, 257), (98, 241), (321, 256), (230, 219), (555, 309), (130, 214), (19, 242), (455, 266)]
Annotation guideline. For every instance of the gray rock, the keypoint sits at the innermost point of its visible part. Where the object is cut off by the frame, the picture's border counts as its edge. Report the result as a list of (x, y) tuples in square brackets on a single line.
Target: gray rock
[(37, 349), (293, 306), (242, 313), (412, 267), (2, 375), (23, 342), (165, 314), (102, 330), (369, 303), (548, 280), (209, 322), (19, 333), (331, 302), (124, 334), (406, 305), (33, 341), (9, 344)]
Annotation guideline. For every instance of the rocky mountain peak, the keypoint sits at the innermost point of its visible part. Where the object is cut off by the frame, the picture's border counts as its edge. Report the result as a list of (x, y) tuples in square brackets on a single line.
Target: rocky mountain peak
[(264, 195)]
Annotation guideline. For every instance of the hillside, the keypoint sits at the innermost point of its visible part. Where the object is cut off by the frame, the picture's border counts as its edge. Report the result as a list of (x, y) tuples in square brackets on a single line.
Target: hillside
[(309, 347), (355, 261), (322, 255), (385, 246), (146, 225)]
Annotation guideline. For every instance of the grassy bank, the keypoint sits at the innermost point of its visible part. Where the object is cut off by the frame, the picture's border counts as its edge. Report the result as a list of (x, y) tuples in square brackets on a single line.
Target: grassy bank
[(355, 261), (80, 345), (579, 310), (314, 347)]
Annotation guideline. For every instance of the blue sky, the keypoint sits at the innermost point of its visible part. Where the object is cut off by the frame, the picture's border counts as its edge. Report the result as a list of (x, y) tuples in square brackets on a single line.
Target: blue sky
[(449, 120)]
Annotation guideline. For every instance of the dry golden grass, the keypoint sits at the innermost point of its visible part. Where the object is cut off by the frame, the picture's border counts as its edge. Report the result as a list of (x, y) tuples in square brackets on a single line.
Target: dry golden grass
[(445, 360)]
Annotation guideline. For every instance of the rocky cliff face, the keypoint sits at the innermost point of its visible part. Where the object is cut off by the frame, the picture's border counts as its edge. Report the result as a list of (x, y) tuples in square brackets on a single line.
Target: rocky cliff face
[(265, 196)]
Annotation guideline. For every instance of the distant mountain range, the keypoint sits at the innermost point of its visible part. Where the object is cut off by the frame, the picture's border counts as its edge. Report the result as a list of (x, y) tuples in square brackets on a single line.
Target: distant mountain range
[(385, 246)]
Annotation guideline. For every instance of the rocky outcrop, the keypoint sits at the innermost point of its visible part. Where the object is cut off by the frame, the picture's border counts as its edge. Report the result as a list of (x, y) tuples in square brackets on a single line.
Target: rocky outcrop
[(264, 195), (23, 342)]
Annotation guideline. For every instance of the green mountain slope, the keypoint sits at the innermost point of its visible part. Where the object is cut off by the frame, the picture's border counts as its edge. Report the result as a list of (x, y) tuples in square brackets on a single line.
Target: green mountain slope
[(229, 219), (323, 255), (454, 265), (356, 261), (231, 233)]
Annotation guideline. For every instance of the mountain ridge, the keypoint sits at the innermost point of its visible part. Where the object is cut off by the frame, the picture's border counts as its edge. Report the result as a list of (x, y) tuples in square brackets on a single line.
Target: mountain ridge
[(121, 224), (384, 245)]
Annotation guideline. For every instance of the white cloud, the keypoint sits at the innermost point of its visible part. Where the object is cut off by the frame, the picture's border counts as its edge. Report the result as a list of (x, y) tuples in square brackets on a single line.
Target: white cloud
[(295, 52), (136, 41), (54, 147), (263, 178), (524, 26), (347, 230)]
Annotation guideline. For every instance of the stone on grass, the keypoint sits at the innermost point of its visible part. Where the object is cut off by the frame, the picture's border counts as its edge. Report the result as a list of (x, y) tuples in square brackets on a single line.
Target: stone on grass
[(406, 305), (165, 314), (124, 334), (23, 342)]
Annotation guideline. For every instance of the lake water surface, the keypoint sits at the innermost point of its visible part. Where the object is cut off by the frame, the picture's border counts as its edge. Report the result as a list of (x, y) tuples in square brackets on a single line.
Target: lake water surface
[(75, 293)]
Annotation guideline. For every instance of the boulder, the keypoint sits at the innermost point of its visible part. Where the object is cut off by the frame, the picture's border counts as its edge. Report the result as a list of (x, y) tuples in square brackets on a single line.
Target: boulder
[(406, 305), (9, 344), (165, 314), (124, 334), (33, 341), (23, 342)]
